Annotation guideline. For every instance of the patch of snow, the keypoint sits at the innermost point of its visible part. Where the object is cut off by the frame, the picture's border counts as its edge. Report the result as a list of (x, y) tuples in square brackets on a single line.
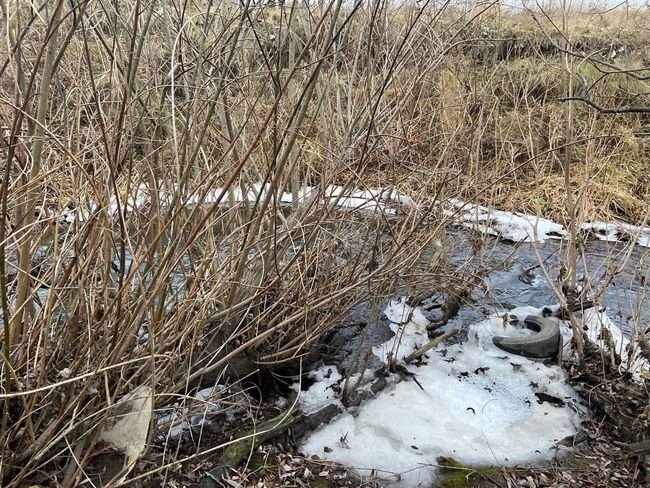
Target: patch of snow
[(363, 379), (65, 373), (281, 403), (208, 395), (357, 199), (410, 327), (477, 405), (519, 227), (173, 424), (612, 232), (319, 394), (137, 200), (394, 196), (176, 422), (516, 227), (596, 321)]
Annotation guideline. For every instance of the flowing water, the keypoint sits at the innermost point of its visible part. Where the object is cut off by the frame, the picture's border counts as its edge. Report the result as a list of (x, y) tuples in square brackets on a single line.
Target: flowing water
[(514, 279)]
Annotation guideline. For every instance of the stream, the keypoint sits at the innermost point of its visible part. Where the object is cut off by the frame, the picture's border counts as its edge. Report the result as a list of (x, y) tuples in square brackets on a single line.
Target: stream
[(515, 280), (469, 400)]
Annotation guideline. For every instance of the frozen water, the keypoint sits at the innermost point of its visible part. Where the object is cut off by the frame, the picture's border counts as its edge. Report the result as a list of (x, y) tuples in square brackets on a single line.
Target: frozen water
[(320, 393), (516, 227), (477, 405), (612, 232), (513, 226)]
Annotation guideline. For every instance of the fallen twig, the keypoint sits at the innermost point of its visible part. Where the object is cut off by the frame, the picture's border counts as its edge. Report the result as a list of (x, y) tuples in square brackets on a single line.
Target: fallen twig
[(429, 345)]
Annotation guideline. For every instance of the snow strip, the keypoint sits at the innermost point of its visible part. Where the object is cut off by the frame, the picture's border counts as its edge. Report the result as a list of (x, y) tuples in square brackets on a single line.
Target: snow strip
[(513, 226), (516, 227), (612, 232), (477, 405), (372, 200)]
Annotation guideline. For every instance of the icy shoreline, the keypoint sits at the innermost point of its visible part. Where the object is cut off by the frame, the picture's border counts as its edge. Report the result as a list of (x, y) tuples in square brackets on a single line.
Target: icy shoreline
[(478, 404), (513, 226)]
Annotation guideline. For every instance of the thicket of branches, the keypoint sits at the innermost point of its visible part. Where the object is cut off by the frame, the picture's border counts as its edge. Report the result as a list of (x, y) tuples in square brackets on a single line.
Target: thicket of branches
[(129, 129)]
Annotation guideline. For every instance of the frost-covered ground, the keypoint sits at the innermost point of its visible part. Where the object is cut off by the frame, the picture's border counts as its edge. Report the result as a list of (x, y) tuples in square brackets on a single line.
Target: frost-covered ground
[(477, 404)]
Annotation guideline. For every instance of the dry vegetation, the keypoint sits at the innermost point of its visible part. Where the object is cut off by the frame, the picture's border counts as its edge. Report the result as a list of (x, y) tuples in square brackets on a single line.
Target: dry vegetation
[(107, 104)]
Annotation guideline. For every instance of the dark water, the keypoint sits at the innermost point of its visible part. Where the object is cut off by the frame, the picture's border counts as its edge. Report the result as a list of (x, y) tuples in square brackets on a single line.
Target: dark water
[(520, 281), (512, 278)]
